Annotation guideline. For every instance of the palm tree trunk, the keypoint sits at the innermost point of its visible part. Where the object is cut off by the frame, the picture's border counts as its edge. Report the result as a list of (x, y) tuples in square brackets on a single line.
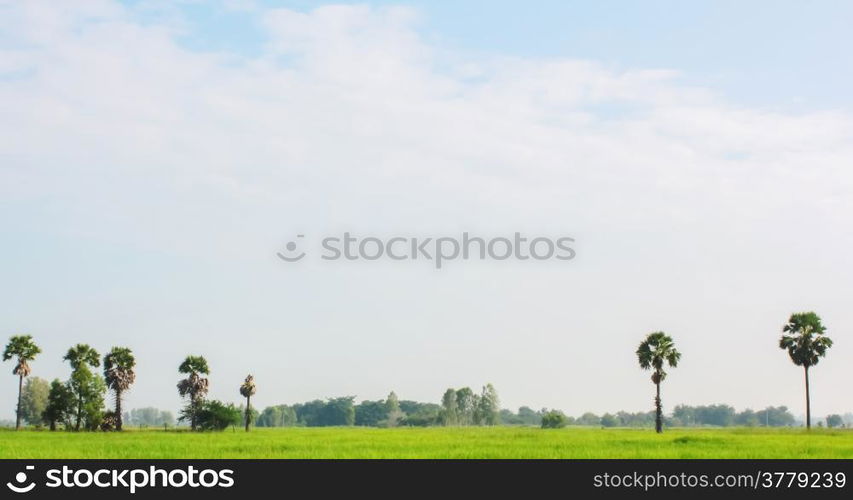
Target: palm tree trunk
[(248, 409), (118, 410), (194, 406), (658, 411), (808, 402), (20, 390), (79, 414)]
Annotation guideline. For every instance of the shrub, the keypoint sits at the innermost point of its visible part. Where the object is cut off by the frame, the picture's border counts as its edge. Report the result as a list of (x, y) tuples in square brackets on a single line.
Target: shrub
[(554, 419), (217, 416), (608, 420), (109, 421)]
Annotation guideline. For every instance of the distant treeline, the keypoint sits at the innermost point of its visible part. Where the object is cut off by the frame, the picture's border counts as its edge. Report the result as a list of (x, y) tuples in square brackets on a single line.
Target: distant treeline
[(149, 417), (458, 407), (464, 407), (343, 411), (695, 416)]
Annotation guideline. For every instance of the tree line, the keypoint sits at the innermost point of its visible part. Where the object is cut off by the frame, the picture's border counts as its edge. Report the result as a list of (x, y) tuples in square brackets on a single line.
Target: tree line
[(458, 407), (393, 412), (78, 402)]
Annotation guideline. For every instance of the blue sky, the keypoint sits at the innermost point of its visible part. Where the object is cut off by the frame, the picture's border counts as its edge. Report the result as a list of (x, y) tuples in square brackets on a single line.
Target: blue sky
[(777, 54), (155, 155)]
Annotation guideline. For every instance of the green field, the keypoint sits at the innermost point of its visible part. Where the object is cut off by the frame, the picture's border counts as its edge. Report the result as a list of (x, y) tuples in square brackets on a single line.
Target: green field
[(472, 442)]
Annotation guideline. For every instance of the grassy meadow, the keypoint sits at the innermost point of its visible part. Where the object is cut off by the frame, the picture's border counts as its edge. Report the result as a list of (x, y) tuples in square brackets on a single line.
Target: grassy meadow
[(436, 442)]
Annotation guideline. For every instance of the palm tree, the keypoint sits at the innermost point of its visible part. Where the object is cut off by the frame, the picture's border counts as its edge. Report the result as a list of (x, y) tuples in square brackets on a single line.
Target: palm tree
[(194, 386), (247, 390), (80, 357), (653, 353), (23, 348), (119, 375), (803, 337)]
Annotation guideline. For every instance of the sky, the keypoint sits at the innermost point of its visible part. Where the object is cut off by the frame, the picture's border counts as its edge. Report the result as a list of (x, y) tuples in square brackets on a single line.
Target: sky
[(155, 156)]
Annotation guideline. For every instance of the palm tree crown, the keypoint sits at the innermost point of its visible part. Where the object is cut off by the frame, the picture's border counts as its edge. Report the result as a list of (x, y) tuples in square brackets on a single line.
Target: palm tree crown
[(195, 386), (803, 337), (118, 369), (23, 348), (194, 364), (247, 388), (81, 355), (658, 349)]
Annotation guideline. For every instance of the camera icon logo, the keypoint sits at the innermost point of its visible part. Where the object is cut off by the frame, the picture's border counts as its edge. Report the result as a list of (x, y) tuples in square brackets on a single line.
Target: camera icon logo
[(21, 478)]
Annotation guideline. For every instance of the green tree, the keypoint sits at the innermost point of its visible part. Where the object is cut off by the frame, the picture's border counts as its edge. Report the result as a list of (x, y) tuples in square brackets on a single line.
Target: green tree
[(194, 387), (338, 411), (310, 413), (371, 413), (775, 417), (834, 420), (119, 376), (149, 417), (247, 390), (449, 409), (466, 402), (277, 416), (609, 420), (34, 400), (25, 350), (554, 419), (747, 418), (217, 416), (684, 414), (392, 406), (93, 388), (528, 416), (488, 406), (590, 419), (269, 417), (333, 412), (719, 415), (60, 404), (656, 351), (803, 337), (83, 384)]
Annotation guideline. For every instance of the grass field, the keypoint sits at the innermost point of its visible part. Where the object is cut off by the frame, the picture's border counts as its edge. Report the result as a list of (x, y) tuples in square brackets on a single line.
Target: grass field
[(497, 442)]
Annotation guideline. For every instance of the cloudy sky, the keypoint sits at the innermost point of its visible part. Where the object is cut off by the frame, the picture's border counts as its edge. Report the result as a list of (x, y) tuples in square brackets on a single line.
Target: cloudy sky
[(155, 155)]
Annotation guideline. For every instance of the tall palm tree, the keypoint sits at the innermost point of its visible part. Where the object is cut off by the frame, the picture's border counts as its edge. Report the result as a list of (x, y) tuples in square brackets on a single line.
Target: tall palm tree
[(803, 337), (23, 348), (656, 351), (247, 390), (119, 375), (81, 357), (194, 386)]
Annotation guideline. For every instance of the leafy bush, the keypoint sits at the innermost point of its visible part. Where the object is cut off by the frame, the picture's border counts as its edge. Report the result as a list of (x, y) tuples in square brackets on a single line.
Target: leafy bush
[(109, 421), (217, 416), (608, 420), (554, 419)]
